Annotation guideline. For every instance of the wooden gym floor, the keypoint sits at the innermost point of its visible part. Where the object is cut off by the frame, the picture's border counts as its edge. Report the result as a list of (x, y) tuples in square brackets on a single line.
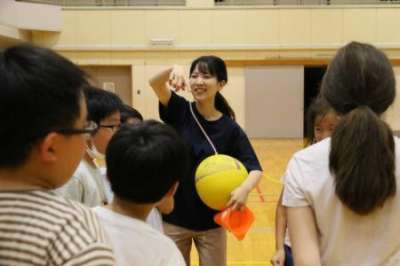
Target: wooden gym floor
[(259, 244)]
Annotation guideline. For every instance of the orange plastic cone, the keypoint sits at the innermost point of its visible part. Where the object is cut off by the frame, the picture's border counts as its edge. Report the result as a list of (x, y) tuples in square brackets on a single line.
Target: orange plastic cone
[(235, 221)]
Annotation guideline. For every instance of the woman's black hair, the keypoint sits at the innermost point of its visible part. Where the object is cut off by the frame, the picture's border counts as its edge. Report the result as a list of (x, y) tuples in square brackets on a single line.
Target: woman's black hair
[(216, 67)]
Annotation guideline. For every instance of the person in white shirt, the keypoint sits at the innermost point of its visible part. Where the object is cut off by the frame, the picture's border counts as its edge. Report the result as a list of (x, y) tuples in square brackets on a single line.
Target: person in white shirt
[(42, 140), (341, 193), (321, 120), (131, 116), (144, 165), (88, 185)]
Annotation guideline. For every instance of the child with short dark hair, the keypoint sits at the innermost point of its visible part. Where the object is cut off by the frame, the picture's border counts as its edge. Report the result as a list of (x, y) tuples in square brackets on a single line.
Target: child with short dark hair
[(88, 184), (43, 109), (130, 115), (144, 165)]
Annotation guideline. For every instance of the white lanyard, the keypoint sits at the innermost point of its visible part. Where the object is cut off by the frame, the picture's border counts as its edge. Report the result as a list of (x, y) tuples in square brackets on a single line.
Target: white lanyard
[(202, 129)]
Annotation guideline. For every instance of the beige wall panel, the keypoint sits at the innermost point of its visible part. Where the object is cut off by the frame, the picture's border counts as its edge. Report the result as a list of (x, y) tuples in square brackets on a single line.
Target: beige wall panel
[(328, 54), (388, 25), (93, 28), (66, 37), (326, 26), (36, 37), (195, 27), (162, 24), (68, 30), (393, 54), (228, 27), (262, 27), (200, 3), (128, 28), (93, 58), (295, 27), (150, 99), (234, 92), (262, 55), (230, 55), (295, 54), (127, 58), (70, 55), (139, 85), (161, 58), (46, 38), (359, 25), (187, 57), (392, 115)]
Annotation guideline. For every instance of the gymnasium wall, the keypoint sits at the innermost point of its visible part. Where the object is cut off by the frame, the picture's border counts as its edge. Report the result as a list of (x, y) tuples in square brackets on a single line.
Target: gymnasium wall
[(17, 19), (115, 36)]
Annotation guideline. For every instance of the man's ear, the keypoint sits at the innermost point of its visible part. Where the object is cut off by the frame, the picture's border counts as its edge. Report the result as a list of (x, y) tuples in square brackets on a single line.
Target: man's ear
[(172, 190), (48, 148)]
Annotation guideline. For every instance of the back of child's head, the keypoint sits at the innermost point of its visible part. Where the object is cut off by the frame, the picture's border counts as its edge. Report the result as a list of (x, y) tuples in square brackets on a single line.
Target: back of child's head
[(215, 67), (101, 103), (145, 160), (360, 84), (130, 115), (40, 92), (319, 111)]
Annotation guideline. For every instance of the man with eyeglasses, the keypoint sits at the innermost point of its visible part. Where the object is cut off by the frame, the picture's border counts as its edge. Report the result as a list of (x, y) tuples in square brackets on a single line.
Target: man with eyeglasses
[(88, 184), (42, 140)]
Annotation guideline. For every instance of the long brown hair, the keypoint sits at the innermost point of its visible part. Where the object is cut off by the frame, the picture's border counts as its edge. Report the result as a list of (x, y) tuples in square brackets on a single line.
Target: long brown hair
[(360, 85)]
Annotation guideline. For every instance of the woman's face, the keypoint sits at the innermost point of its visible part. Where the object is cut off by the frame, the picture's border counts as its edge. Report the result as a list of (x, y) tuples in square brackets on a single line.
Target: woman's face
[(204, 86)]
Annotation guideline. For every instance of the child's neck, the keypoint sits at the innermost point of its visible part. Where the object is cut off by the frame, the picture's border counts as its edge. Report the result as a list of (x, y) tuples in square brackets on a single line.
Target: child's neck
[(208, 110), (131, 209), (22, 179)]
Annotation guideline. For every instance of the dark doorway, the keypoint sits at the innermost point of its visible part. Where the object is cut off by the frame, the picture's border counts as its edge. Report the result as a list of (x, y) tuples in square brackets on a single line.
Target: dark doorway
[(312, 81)]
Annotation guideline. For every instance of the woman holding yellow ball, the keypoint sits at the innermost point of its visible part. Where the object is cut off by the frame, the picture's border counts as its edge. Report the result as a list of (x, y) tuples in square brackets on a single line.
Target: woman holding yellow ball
[(208, 126)]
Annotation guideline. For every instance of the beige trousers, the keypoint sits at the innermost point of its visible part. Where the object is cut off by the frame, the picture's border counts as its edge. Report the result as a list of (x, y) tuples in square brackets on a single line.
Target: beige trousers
[(210, 244)]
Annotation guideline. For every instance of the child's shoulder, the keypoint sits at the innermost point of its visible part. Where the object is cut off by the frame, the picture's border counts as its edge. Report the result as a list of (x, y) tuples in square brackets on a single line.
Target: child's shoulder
[(315, 155)]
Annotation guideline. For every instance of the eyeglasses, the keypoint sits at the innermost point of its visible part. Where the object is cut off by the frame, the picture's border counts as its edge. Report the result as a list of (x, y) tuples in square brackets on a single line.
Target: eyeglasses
[(88, 130), (113, 128)]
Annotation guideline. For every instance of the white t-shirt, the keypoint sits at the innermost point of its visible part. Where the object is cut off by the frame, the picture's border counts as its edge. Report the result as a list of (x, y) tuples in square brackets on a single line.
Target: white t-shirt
[(136, 243), (87, 186), (155, 220), (346, 238), (287, 239)]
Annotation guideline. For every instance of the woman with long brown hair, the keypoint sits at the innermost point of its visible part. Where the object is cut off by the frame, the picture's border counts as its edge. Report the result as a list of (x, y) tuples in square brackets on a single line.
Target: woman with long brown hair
[(341, 193)]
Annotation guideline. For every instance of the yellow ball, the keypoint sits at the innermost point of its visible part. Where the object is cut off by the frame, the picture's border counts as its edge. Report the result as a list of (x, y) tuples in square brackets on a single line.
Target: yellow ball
[(216, 177)]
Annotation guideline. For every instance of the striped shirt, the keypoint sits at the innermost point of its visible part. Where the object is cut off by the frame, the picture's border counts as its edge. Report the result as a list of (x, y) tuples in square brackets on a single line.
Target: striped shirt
[(40, 228)]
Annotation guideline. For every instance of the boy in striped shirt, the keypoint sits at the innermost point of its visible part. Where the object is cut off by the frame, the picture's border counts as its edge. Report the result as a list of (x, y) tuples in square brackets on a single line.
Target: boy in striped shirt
[(42, 140)]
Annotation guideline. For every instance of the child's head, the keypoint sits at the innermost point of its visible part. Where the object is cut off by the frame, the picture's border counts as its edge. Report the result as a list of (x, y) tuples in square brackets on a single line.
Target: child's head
[(43, 111), (145, 161), (360, 84), (104, 109), (359, 75), (130, 115), (208, 75), (322, 120)]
